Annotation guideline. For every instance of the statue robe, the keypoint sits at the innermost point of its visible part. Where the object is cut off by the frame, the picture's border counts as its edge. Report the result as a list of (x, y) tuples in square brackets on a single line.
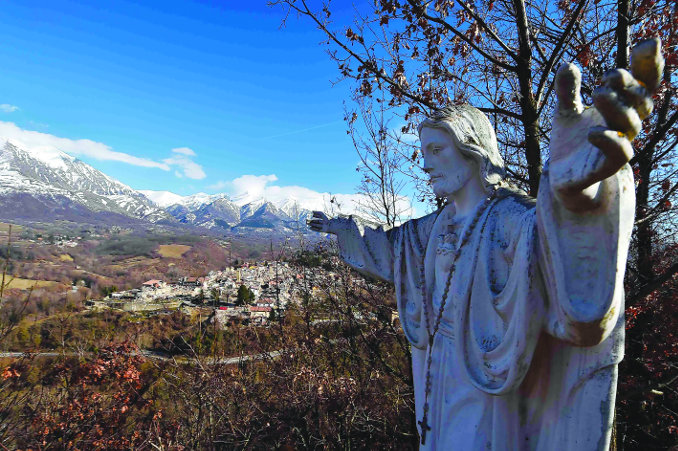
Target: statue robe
[(527, 351)]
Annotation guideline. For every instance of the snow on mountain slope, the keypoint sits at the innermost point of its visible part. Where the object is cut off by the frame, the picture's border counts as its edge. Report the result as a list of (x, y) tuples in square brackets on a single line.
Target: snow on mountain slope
[(266, 216), (249, 208), (247, 202), (50, 176), (198, 200), (219, 210), (206, 211), (46, 184), (167, 198), (162, 199), (49, 156)]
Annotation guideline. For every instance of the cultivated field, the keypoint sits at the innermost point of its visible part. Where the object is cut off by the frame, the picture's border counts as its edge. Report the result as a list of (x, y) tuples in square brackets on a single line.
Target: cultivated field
[(4, 229), (27, 284), (173, 250)]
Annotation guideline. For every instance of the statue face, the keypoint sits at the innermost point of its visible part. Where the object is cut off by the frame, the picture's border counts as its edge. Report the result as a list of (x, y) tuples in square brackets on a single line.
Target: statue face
[(448, 169)]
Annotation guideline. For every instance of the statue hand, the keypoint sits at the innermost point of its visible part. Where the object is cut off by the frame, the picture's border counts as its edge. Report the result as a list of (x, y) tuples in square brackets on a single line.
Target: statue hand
[(604, 132), (320, 223)]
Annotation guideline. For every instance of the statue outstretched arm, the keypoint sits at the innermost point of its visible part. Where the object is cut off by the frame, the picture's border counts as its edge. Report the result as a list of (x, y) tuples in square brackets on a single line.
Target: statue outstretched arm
[(319, 222), (374, 251), (368, 250)]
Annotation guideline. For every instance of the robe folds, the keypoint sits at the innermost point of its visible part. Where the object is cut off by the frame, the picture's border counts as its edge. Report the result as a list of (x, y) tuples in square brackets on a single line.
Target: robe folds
[(527, 351)]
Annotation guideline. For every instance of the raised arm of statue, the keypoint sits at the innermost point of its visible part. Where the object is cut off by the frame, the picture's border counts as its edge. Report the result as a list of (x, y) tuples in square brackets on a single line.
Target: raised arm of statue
[(319, 222), (589, 145), (586, 201)]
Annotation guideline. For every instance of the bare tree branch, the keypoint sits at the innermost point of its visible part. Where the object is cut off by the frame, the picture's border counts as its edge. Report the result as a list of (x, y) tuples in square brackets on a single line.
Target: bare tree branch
[(653, 284)]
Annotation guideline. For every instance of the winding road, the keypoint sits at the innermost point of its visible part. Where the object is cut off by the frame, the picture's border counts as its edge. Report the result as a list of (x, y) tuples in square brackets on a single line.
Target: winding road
[(155, 355)]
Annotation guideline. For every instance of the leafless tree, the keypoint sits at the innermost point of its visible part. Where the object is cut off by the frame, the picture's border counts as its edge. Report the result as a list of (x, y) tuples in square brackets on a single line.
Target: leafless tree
[(381, 161), (501, 56)]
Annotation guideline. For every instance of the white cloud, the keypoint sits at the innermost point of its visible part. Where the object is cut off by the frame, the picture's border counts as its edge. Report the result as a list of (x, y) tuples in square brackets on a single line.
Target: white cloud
[(38, 141), (254, 186), (7, 108), (184, 151), (185, 166), (45, 143), (248, 188)]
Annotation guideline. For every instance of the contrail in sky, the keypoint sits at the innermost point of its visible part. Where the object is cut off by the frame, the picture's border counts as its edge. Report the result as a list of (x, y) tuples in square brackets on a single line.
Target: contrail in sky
[(303, 130)]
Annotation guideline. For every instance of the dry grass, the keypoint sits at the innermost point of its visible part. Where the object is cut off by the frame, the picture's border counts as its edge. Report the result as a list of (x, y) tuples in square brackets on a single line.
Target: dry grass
[(4, 228), (65, 258), (27, 284), (173, 250), (126, 264)]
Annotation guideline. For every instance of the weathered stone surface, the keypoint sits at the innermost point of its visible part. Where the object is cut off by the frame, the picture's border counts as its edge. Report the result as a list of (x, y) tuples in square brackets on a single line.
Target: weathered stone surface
[(513, 306)]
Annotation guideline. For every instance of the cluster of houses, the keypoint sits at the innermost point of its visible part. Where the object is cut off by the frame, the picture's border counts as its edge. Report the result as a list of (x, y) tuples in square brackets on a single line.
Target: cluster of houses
[(270, 286), (58, 240)]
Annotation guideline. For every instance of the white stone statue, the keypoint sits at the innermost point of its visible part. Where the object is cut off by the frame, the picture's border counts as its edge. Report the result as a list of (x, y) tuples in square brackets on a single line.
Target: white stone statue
[(514, 307)]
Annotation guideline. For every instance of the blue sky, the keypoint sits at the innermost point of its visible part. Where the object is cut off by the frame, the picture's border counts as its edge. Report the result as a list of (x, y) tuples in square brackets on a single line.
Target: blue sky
[(219, 81)]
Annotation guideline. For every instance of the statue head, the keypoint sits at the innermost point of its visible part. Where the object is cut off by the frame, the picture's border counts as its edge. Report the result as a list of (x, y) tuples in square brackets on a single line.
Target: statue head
[(474, 138)]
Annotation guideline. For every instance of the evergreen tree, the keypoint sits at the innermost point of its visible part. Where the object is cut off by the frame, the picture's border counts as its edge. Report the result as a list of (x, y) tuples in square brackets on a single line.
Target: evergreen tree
[(245, 295)]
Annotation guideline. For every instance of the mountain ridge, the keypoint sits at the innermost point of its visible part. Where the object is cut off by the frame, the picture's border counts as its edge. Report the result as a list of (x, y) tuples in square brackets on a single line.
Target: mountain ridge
[(47, 184), (61, 182)]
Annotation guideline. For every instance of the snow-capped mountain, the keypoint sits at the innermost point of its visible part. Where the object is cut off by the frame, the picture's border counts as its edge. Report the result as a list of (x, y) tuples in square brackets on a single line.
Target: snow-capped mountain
[(266, 216), (218, 212), (293, 209), (166, 199), (240, 213), (162, 199), (47, 184)]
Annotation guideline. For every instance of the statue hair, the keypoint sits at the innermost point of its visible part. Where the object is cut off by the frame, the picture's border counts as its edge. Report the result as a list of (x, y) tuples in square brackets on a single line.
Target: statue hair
[(474, 136)]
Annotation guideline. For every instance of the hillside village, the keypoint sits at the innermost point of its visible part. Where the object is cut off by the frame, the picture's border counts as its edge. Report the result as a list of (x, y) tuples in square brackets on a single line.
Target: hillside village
[(249, 293)]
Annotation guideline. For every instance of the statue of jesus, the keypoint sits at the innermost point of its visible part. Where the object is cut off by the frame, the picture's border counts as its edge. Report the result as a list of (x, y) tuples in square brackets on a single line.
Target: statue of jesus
[(514, 306)]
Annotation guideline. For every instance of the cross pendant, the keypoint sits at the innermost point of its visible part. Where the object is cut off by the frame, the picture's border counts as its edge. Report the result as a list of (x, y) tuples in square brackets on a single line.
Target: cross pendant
[(424, 427)]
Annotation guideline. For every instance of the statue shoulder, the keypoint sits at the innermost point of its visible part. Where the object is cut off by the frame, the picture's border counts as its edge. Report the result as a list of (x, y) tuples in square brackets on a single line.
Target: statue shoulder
[(512, 212), (428, 219), (422, 226), (514, 203)]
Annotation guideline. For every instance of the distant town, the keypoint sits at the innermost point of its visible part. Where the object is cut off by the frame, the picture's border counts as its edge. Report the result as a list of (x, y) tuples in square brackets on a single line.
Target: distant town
[(249, 293)]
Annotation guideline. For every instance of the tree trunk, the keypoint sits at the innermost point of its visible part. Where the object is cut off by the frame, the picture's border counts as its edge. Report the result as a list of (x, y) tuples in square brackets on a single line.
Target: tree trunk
[(532, 147), (528, 105), (622, 34), (644, 264), (644, 230)]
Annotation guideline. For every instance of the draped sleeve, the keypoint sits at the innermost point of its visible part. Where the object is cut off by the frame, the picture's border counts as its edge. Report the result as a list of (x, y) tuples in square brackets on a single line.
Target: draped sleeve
[(396, 256), (583, 258), (368, 250), (542, 268)]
